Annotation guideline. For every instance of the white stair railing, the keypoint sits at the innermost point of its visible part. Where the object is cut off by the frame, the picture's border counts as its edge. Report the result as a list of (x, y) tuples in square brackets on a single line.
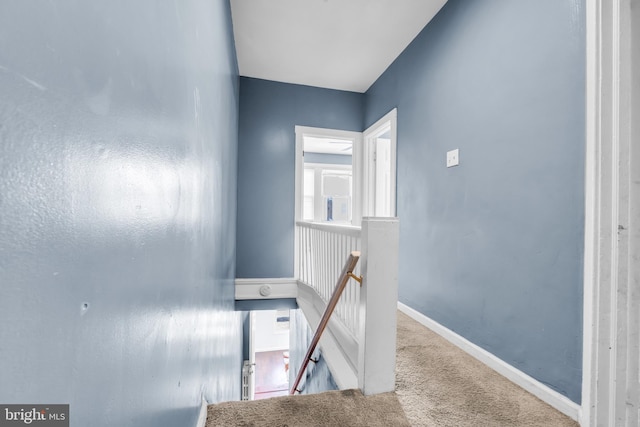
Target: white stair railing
[(322, 251), (367, 313), (343, 280)]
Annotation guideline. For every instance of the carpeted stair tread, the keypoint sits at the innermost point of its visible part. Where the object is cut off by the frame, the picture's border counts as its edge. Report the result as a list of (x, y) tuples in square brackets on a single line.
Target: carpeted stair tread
[(333, 408)]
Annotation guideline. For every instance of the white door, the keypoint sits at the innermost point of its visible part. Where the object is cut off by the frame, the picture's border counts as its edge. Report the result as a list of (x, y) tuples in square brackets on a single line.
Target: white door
[(379, 168)]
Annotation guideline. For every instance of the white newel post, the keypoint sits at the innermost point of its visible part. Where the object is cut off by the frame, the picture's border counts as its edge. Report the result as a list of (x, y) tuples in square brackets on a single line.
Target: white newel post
[(378, 305)]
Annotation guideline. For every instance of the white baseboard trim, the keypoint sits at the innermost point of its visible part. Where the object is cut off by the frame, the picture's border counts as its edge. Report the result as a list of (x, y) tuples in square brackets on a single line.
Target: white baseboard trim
[(533, 386)]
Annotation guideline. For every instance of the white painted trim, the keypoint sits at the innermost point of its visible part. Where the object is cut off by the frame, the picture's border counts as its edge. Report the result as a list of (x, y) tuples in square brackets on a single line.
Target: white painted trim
[(345, 340), (326, 132), (356, 173), (378, 311), (391, 118), (591, 197), (202, 416), (610, 340), (298, 198), (533, 386), (252, 355), (249, 289), (333, 352), (347, 230)]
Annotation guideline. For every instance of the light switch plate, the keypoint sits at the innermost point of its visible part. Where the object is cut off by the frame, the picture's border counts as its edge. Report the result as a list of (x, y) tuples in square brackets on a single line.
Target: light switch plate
[(453, 157)]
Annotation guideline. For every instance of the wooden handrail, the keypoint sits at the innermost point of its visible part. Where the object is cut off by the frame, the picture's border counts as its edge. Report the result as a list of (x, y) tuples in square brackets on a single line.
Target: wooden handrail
[(347, 273)]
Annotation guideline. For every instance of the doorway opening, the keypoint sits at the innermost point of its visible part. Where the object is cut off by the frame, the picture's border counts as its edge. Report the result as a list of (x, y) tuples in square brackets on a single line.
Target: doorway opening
[(269, 353), (342, 176), (326, 176)]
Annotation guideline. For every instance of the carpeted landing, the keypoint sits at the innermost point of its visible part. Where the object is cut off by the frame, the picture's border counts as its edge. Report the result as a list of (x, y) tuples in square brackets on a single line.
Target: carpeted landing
[(437, 384), (440, 385)]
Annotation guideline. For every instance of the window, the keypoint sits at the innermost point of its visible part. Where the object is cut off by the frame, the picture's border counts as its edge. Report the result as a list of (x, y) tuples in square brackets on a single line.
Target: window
[(327, 193)]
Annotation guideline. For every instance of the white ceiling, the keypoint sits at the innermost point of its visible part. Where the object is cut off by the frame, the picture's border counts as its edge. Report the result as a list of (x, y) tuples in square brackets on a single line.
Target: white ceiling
[(336, 44)]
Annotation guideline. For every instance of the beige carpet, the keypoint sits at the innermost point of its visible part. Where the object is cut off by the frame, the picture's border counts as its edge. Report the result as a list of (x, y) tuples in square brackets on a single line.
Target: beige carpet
[(333, 408), (440, 385), (437, 384)]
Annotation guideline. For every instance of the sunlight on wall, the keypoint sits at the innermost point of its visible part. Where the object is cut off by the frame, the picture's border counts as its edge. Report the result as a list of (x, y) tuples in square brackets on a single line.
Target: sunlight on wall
[(128, 188)]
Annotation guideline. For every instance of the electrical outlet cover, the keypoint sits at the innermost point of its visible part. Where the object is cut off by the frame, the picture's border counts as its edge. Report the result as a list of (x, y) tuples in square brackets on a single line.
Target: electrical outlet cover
[(453, 158)]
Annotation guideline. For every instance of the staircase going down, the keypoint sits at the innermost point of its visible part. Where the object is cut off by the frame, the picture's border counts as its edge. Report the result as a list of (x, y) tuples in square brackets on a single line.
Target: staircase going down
[(437, 384)]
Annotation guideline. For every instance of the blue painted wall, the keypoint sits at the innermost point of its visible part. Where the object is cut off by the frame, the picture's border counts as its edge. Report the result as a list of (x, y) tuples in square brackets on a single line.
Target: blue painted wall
[(493, 248), (118, 132), (269, 112)]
